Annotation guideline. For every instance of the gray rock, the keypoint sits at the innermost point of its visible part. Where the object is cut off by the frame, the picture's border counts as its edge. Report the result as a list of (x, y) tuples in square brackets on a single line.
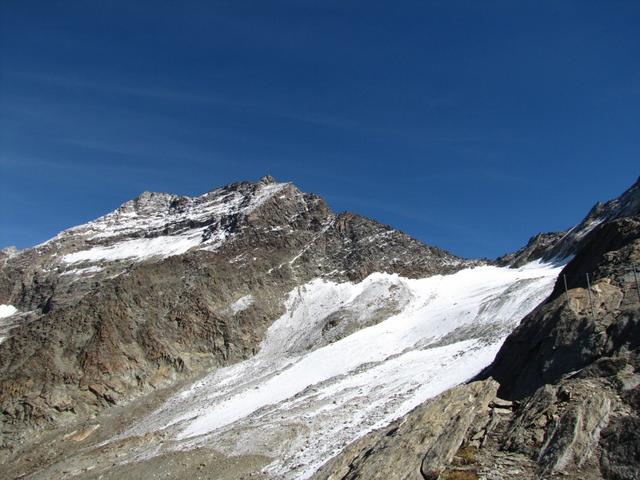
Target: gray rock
[(563, 334), (421, 444)]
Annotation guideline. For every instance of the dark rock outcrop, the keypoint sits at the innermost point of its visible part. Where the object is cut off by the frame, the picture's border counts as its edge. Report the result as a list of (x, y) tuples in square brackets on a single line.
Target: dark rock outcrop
[(537, 247), (572, 330)]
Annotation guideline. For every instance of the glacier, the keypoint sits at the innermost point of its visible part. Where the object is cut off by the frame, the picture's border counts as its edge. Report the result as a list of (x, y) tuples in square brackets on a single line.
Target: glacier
[(326, 374)]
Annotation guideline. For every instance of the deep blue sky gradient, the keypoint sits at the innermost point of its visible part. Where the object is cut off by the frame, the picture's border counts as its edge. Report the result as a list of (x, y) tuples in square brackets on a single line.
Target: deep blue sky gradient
[(470, 125)]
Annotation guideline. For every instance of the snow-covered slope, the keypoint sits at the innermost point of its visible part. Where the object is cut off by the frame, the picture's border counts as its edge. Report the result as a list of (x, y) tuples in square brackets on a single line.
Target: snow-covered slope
[(162, 225), (347, 358)]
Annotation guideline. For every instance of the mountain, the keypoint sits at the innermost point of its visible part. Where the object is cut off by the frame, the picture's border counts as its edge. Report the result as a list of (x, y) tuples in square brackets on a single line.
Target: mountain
[(251, 332), (168, 286)]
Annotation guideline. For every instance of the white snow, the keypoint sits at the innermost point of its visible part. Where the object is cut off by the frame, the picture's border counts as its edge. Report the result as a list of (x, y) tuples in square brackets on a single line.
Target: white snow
[(6, 323), (139, 248), (263, 194), (241, 304), (7, 310), (133, 219), (300, 400), (586, 229), (83, 271)]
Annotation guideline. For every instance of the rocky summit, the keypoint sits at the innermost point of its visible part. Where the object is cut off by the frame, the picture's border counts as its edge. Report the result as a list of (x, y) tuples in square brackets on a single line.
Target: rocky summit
[(251, 332)]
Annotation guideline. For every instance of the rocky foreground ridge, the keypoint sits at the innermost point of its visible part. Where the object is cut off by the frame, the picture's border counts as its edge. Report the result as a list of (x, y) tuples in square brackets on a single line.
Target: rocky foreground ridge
[(114, 314)]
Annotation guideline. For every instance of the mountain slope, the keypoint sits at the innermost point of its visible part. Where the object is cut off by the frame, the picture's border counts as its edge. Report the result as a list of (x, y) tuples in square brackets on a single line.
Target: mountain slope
[(343, 359), (568, 333)]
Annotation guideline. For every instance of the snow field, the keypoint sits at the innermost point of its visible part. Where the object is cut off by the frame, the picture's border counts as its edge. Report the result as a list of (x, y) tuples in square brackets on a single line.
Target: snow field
[(301, 399)]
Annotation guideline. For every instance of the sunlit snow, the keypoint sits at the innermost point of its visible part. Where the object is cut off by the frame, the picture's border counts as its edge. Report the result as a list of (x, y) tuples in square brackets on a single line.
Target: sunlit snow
[(6, 311), (139, 248), (83, 271), (117, 235), (241, 304), (301, 399)]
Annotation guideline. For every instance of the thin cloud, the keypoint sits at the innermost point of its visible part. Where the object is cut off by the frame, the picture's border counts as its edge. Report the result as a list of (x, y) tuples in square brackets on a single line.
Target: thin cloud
[(181, 96), (89, 169), (264, 109), (466, 176), (114, 88)]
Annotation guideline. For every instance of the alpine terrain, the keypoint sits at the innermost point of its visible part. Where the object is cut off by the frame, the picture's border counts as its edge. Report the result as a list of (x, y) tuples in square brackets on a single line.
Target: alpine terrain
[(251, 332)]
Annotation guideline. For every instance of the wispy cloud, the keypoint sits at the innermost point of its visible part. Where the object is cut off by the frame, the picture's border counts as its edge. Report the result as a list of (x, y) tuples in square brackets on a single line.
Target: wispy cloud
[(466, 175), (75, 82), (106, 172), (178, 95), (369, 123)]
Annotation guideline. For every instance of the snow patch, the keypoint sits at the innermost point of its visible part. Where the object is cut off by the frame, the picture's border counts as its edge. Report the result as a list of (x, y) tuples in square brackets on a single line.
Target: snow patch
[(7, 310), (241, 304), (116, 236), (140, 248), (6, 322), (83, 271)]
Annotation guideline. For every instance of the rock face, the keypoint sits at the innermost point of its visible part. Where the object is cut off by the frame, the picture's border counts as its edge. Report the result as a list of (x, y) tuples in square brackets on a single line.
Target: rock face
[(577, 326), (536, 248), (419, 445), (560, 399), (167, 286), (573, 329), (579, 428)]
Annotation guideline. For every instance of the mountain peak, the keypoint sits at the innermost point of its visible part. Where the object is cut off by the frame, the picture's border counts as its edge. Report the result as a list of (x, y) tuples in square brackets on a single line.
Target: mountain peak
[(230, 221), (557, 246), (147, 202), (267, 179)]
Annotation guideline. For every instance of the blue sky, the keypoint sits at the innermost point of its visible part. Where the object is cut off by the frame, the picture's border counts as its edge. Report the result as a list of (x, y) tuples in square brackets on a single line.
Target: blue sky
[(469, 125)]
